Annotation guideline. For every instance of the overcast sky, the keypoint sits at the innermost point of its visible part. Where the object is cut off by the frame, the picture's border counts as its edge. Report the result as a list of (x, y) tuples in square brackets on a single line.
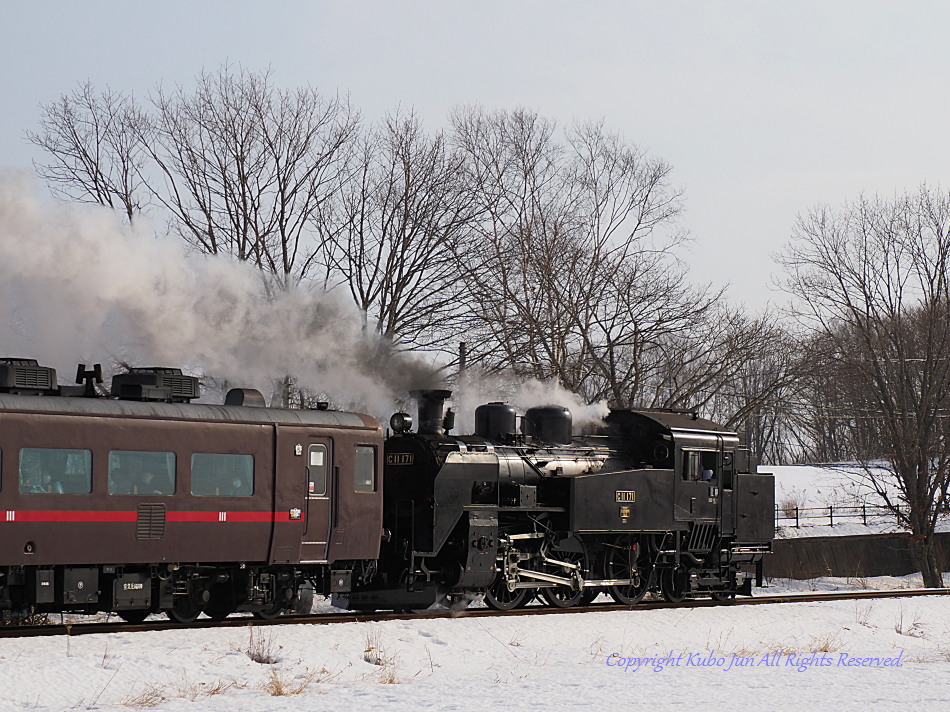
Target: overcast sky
[(764, 109)]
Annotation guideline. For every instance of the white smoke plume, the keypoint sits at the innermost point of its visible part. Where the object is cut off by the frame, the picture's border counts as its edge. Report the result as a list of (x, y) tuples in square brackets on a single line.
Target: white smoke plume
[(534, 392), (478, 388), (77, 286)]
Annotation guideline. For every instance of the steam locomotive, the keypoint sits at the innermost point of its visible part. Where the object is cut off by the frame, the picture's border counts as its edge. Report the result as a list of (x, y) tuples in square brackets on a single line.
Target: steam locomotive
[(143, 501), (651, 501)]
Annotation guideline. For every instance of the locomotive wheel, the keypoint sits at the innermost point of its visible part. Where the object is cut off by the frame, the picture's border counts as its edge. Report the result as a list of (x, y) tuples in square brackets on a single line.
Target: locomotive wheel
[(529, 597), (184, 610), (565, 596), (135, 616), (722, 595), (622, 562), (673, 584), (499, 598)]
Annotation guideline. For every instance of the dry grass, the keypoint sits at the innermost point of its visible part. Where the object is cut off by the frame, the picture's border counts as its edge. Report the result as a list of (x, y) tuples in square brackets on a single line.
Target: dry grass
[(862, 613), (596, 648), (152, 695), (859, 581), (792, 500), (261, 646), (823, 644), (220, 686), (373, 647), (149, 696), (432, 664), (517, 638), (375, 654), (281, 684), (908, 624)]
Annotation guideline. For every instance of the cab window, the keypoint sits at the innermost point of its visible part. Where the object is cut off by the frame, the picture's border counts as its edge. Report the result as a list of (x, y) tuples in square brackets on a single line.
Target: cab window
[(700, 465)]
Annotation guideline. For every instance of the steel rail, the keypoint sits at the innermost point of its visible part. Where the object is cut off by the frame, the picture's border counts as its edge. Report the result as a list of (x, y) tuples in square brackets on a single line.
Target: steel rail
[(72, 629)]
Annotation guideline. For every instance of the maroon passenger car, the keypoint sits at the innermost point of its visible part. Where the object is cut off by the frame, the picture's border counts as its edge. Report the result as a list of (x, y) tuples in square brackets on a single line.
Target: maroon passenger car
[(148, 502)]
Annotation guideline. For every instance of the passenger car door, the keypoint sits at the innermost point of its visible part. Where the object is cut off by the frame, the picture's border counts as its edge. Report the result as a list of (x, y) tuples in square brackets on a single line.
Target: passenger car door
[(318, 482)]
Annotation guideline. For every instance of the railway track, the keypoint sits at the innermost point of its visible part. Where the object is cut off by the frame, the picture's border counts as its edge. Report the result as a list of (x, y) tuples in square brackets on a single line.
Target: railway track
[(81, 628)]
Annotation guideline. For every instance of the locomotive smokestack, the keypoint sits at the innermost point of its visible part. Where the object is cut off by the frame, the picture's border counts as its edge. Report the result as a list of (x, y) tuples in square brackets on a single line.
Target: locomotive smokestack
[(430, 404)]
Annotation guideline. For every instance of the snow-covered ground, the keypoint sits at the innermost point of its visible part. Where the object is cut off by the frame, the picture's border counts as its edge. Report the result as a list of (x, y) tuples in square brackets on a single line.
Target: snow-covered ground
[(818, 486), (814, 487), (841, 655)]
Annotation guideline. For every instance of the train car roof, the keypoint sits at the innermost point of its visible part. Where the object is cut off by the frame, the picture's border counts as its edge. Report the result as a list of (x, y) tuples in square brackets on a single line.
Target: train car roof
[(673, 421), (204, 412)]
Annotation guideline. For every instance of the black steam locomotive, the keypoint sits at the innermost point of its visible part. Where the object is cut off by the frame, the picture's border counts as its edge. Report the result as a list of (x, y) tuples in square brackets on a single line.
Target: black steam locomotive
[(142, 501), (651, 501)]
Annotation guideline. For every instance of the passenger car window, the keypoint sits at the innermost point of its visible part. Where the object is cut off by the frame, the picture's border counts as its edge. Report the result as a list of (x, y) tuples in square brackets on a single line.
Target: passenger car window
[(317, 466), (214, 474), (55, 471), (365, 470), (141, 472)]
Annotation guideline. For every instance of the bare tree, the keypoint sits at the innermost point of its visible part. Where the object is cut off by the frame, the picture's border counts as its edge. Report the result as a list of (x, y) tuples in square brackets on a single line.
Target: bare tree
[(401, 220), (834, 416), (94, 149), (247, 168), (552, 252), (240, 167), (872, 280), (515, 166), (577, 280)]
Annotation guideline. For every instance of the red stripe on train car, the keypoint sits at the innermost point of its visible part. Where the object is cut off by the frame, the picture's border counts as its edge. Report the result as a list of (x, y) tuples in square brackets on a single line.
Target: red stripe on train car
[(182, 516), (37, 515), (219, 516), (71, 515)]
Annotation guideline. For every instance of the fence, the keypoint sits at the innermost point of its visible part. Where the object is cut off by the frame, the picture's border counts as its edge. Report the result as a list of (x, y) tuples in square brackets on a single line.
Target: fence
[(819, 516)]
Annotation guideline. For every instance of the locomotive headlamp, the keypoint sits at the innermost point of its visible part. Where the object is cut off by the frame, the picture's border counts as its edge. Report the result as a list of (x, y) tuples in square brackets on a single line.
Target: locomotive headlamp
[(401, 422)]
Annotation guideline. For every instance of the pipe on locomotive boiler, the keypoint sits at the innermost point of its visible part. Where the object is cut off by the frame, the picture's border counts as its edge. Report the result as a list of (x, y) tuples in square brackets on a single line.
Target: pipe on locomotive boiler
[(573, 466), (430, 403)]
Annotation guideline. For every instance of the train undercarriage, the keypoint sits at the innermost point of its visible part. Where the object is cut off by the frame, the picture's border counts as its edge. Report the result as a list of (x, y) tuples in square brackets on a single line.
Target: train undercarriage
[(574, 570), (181, 591), (563, 569)]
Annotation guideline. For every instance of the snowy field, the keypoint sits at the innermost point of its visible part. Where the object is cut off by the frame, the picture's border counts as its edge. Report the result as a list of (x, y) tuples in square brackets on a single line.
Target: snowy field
[(809, 486), (841, 655)]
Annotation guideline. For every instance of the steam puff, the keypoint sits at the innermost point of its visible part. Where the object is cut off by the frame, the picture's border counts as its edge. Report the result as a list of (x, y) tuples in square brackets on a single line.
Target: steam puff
[(536, 392), (78, 286), (478, 388)]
